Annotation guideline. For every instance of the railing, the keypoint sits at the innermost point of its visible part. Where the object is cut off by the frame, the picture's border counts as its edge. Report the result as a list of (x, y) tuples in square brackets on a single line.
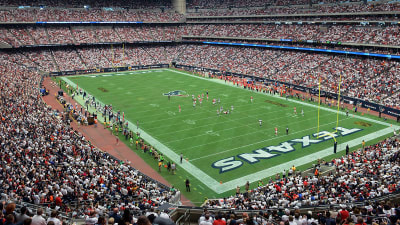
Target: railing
[(323, 207), (184, 219), (34, 207)]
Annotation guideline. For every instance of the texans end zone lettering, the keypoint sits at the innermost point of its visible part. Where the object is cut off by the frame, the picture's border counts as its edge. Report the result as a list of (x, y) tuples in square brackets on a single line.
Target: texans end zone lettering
[(230, 163)]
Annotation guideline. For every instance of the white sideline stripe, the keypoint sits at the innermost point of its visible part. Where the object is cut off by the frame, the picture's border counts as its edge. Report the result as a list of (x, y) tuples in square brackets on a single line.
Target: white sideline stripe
[(221, 188)]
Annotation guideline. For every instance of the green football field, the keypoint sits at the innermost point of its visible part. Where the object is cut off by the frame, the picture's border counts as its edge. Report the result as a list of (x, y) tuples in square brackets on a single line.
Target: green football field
[(226, 150)]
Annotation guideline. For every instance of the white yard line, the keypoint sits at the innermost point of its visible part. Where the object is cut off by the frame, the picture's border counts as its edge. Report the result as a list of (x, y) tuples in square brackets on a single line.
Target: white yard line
[(221, 188), (255, 143), (255, 126)]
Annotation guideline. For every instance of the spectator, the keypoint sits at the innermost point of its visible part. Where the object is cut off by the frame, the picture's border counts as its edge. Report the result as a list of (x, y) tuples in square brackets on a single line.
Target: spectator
[(9, 220), (207, 220), (115, 215), (53, 218), (360, 221), (10, 211), (126, 218), (164, 214), (23, 215), (111, 221), (142, 220), (232, 220), (27, 221), (92, 218), (101, 221), (38, 219), (162, 221), (344, 214), (218, 220)]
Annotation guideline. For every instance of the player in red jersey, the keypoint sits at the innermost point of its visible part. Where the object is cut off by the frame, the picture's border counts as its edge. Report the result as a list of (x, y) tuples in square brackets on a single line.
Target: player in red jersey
[(276, 131)]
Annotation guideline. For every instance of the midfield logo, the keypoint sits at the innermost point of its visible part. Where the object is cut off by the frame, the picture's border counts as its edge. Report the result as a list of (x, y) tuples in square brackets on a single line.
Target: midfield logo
[(176, 93), (228, 164)]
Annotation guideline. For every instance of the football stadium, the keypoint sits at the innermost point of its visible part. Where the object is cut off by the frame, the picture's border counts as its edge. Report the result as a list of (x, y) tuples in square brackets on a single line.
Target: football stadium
[(207, 112)]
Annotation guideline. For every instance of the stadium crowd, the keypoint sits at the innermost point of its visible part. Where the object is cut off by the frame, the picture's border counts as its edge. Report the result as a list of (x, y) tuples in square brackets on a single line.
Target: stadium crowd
[(380, 35), (92, 15), (368, 34), (165, 13), (92, 3), (45, 161), (224, 10), (60, 35)]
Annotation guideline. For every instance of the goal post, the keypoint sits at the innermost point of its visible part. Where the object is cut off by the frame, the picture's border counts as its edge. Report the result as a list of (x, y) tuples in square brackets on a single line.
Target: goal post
[(319, 106), (338, 102)]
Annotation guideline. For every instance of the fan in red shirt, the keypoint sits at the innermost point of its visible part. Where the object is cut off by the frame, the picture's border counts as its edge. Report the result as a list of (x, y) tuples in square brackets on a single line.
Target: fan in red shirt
[(218, 221), (58, 200), (344, 213)]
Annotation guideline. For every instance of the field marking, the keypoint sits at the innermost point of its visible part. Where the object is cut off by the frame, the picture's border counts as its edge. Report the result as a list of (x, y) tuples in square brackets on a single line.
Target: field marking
[(254, 143), (189, 121), (254, 127), (171, 113), (227, 186), (211, 132), (256, 116)]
